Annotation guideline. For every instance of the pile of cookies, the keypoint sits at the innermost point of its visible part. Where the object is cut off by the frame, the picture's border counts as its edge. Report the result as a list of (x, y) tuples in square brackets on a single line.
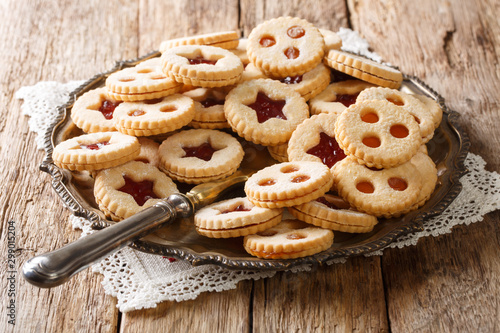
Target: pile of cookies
[(349, 146)]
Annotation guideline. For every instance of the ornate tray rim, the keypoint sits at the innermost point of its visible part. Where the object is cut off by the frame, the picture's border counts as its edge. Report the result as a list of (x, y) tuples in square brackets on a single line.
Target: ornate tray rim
[(416, 224)]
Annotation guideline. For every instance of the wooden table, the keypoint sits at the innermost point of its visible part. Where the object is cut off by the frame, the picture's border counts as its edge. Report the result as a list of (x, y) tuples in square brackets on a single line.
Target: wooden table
[(447, 283)]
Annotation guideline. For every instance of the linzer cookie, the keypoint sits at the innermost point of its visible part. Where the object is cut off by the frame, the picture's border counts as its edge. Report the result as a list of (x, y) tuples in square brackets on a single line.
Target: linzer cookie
[(310, 83), (378, 133), (314, 140), (144, 81), (332, 40), (96, 151), (288, 184), (279, 153), (433, 107), (252, 73), (200, 155), (285, 46), (364, 69), (235, 218), (265, 111), (241, 51), (202, 66), (93, 111), (223, 39), (384, 192), (332, 212), (406, 102), (427, 169), (289, 239), (153, 117), (337, 96), (208, 108), (149, 151), (125, 190)]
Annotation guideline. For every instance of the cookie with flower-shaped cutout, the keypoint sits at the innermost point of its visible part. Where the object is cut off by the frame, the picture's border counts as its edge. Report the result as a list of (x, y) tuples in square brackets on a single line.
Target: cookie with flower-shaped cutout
[(155, 116), (285, 46), (265, 111), (96, 151), (287, 240), (235, 218), (200, 155), (141, 82), (380, 192), (332, 212), (378, 133), (125, 190), (202, 66), (337, 96), (93, 111), (288, 184)]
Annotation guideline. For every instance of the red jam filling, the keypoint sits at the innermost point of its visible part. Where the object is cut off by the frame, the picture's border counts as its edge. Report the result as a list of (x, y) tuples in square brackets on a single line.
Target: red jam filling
[(347, 100), (292, 79), (140, 191), (203, 151), (107, 108), (327, 150), (211, 102), (200, 60), (95, 146), (267, 108), (239, 208), (339, 76)]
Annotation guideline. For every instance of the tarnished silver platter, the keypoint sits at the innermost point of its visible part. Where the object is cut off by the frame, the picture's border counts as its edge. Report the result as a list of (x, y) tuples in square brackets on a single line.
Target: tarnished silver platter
[(448, 149)]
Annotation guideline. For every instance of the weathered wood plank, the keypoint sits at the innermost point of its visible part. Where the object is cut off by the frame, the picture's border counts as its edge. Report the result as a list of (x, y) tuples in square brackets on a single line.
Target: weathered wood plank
[(449, 283)]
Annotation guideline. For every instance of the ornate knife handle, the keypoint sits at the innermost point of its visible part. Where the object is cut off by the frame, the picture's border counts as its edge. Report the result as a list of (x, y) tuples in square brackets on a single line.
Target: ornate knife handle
[(54, 268)]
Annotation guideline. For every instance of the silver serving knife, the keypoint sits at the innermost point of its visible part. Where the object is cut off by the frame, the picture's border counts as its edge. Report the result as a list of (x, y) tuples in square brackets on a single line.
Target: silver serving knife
[(54, 268)]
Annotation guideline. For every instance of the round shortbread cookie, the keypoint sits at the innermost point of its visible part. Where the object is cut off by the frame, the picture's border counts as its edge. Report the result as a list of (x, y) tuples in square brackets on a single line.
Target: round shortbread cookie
[(288, 184), (252, 73), (364, 69), (202, 66), (154, 117), (144, 81), (332, 40), (125, 190), (433, 107), (378, 133), (241, 51), (93, 111), (279, 153), (208, 108), (223, 39), (406, 102), (289, 239), (149, 151), (332, 212), (337, 96), (235, 218), (379, 192), (314, 140), (310, 83), (96, 151), (285, 46), (198, 155), (265, 111)]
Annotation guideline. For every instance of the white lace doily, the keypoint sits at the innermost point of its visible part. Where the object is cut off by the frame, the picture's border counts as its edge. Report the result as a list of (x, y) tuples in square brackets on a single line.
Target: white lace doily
[(139, 280)]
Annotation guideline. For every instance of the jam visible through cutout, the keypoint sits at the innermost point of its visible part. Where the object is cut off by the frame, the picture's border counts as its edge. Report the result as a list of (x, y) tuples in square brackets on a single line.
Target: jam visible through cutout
[(107, 108), (203, 151), (295, 236), (267, 108), (239, 208), (200, 60), (267, 41), (346, 99), (136, 113), (295, 31), (399, 131), (267, 182), (396, 101), (211, 102), (292, 53), (372, 142), (300, 179), (292, 79), (140, 191), (365, 187), (95, 146), (327, 150), (397, 184), (370, 117), (289, 169)]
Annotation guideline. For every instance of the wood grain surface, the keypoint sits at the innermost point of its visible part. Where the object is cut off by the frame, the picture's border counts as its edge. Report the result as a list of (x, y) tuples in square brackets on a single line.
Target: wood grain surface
[(447, 283)]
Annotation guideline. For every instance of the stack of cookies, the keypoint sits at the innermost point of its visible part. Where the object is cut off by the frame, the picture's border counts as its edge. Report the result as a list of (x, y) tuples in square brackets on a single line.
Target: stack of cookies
[(349, 146)]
